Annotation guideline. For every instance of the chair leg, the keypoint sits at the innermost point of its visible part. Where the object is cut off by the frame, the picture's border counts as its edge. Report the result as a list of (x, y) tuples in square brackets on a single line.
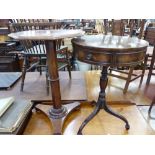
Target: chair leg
[(23, 73), (151, 68), (128, 80), (151, 106), (143, 71), (150, 71), (40, 68), (69, 70), (110, 70)]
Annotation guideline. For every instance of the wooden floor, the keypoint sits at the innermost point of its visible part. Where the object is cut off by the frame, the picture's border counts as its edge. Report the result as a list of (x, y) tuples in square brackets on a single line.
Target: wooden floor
[(102, 124), (114, 90), (35, 87), (127, 104)]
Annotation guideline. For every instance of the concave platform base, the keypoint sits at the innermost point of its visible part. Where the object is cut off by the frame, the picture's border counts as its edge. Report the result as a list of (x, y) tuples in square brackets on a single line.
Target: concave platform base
[(58, 118)]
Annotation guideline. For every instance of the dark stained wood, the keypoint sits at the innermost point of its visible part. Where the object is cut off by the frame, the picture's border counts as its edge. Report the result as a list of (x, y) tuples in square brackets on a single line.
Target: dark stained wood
[(150, 35), (151, 68), (103, 123), (36, 48), (118, 51), (139, 96), (121, 31), (118, 27), (53, 72), (110, 50), (50, 36), (141, 34)]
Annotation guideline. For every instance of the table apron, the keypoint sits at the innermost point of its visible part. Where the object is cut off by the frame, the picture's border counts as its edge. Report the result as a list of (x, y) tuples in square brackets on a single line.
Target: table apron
[(126, 58)]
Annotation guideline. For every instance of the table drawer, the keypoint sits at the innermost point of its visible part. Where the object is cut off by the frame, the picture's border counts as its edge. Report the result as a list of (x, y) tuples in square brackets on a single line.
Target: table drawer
[(110, 59), (95, 58)]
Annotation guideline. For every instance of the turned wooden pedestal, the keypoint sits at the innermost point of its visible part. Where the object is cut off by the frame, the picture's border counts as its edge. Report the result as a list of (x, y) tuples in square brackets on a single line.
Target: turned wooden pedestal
[(57, 113), (108, 51)]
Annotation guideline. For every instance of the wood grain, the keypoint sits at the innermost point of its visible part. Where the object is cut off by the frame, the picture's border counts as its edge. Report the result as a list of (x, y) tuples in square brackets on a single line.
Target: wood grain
[(114, 90), (102, 124), (35, 87)]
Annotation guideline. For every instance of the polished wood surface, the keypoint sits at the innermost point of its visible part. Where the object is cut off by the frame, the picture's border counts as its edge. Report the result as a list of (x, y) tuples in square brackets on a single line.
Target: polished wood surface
[(45, 34), (138, 96), (149, 117), (83, 86), (102, 124), (128, 27), (35, 87), (50, 37), (110, 42), (110, 50)]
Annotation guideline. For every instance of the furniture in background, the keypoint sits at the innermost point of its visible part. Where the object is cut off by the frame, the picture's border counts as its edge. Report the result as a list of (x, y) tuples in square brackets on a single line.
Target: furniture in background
[(150, 37), (9, 64), (36, 49), (4, 29), (151, 67), (9, 61), (58, 113), (118, 28), (108, 51)]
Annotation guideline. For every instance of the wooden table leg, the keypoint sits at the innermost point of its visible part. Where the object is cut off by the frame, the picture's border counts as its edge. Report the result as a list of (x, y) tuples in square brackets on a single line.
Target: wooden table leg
[(151, 106), (57, 113), (102, 104)]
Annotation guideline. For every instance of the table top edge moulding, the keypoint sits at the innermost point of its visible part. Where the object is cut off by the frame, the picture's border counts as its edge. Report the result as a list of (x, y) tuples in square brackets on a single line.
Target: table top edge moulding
[(46, 34), (58, 112), (110, 42), (106, 51)]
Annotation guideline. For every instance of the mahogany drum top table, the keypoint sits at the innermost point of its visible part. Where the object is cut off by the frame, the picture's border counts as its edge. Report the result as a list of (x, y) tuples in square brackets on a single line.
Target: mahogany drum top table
[(57, 113), (108, 50)]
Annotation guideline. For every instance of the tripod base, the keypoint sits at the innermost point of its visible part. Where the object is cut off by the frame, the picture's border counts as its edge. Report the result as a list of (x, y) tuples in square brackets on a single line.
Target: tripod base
[(98, 107)]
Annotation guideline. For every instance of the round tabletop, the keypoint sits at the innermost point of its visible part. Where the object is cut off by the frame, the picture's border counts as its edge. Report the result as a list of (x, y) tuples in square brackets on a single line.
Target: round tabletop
[(110, 50), (46, 34), (114, 43)]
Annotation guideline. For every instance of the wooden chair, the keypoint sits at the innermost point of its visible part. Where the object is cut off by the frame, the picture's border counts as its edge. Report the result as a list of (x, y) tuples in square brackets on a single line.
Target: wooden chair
[(36, 49), (150, 37), (151, 67), (118, 28)]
